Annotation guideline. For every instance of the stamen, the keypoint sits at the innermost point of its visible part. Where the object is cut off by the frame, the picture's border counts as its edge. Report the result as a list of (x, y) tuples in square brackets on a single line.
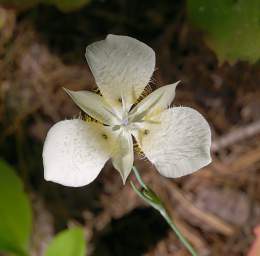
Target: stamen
[(123, 98)]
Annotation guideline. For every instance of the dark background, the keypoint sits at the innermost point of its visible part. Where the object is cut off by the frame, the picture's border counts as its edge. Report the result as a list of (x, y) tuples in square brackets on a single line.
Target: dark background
[(42, 50)]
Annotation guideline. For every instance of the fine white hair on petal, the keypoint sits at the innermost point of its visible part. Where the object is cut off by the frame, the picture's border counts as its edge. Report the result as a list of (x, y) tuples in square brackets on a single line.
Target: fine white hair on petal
[(75, 152), (179, 144), (122, 67)]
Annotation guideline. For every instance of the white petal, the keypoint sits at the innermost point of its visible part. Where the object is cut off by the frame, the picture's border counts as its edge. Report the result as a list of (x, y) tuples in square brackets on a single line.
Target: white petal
[(123, 157), (154, 103), (75, 152), (179, 144), (122, 67), (93, 105)]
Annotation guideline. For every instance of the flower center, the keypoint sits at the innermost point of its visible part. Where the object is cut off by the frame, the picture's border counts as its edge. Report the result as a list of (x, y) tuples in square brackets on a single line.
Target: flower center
[(125, 121)]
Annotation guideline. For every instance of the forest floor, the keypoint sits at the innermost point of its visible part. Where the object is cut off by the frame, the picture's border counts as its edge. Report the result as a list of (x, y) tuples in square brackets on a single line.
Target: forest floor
[(217, 208)]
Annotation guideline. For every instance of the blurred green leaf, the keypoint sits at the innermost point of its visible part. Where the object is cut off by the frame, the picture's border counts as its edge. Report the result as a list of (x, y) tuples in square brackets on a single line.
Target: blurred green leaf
[(63, 5), (67, 5), (68, 243), (231, 27), (15, 212)]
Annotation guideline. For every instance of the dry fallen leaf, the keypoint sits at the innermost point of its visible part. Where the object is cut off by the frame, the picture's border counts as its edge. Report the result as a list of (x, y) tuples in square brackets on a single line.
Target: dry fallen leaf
[(255, 248)]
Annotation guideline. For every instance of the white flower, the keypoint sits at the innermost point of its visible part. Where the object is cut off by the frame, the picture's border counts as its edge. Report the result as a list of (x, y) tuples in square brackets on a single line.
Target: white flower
[(176, 140)]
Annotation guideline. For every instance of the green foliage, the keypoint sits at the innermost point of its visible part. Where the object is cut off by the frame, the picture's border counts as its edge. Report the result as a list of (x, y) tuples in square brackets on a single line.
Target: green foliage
[(16, 221), (15, 212), (63, 5), (231, 27), (67, 5), (68, 243)]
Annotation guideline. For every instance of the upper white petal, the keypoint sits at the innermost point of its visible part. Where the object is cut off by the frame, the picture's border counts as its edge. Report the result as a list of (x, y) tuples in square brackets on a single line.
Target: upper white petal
[(75, 152), (122, 67), (93, 105), (154, 103), (179, 144), (123, 156)]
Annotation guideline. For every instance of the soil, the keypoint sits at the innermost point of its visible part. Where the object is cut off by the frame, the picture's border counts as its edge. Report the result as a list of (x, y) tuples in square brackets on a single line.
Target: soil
[(217, 208)]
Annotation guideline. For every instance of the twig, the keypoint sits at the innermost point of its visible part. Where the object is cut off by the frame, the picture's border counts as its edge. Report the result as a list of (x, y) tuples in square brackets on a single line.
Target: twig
[(212, 220), (236, 135)]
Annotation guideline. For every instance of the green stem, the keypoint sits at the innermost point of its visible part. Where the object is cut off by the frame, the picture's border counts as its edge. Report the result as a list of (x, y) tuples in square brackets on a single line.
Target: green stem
[(179, 234), (138, 177), (153, 200)]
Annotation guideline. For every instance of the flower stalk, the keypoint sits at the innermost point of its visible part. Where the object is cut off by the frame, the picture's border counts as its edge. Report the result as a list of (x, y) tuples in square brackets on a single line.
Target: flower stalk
[(150, 197)]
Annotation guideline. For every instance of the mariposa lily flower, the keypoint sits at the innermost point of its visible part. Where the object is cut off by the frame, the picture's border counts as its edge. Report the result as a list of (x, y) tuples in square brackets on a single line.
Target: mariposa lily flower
[(176, 140)]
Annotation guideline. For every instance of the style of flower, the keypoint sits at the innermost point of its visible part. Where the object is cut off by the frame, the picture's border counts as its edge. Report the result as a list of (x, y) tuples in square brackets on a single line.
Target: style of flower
[(175, 139)]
